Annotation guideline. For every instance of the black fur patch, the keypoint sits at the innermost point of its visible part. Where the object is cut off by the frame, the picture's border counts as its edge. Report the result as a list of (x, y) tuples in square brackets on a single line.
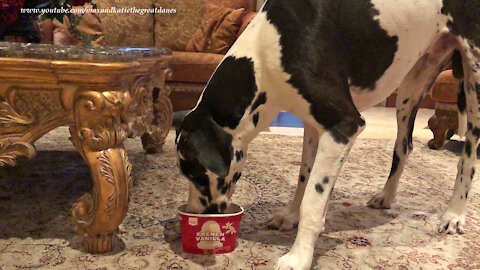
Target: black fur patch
[(411, 123), (225, 188), (309, 170), (236, 176), (457, 65), (476, 132), (472, 173), (468, 148), (326, 180), (255, 119), (239, 155), (395, 162), (405, 101), (203, 201), (212, 209), (220, 183), (223, 206), (230, 91), (204, 145), (340, 35), (319, 188), (302, 178), (466, 195), (260, 100), (461, 98), (405, 146), (361, 122), (195, 172), (466, 18)]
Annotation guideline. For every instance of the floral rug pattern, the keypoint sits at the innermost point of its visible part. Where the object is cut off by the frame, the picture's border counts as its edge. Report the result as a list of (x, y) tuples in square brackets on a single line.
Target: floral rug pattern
[(36, 197)]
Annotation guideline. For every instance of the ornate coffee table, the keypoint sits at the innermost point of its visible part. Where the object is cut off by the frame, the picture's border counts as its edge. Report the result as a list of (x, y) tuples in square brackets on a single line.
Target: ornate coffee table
[(105, 95)]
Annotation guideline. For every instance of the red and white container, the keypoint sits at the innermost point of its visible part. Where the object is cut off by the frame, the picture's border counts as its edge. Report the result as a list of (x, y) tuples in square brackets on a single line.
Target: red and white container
[(210, 233)]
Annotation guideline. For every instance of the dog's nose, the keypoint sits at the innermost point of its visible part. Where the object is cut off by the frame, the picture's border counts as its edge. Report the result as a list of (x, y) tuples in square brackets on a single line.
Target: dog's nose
[(223, 207), (212, 209)]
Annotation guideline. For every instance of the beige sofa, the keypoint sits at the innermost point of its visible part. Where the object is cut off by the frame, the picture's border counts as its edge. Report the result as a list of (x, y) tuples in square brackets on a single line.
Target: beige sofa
[(191, 70)]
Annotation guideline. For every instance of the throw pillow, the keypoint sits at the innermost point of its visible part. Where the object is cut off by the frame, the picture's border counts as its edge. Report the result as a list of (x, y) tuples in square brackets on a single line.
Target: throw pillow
[(78, 29), (218, 30)]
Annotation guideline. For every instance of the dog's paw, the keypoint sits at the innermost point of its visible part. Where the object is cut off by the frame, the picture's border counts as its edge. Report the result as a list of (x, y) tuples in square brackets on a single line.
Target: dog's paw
[(284, 220), (292, 261), (381, 201), (452, 223)]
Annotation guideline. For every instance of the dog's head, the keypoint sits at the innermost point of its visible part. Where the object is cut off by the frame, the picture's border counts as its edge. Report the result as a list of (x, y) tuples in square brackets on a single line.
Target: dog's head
[(204, 151)]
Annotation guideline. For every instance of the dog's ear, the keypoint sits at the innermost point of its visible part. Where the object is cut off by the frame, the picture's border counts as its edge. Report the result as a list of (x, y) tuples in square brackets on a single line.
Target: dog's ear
[(212, 146)]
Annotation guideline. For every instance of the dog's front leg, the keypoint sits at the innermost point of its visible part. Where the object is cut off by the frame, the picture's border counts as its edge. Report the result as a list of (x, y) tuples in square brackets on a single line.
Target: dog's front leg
[(331, 154), (287, 218)]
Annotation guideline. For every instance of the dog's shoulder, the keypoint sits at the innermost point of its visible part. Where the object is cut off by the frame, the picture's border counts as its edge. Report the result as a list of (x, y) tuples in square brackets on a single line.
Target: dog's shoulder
[(345, 36)]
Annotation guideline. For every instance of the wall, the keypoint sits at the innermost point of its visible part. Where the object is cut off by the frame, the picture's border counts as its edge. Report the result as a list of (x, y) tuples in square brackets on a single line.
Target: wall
[(260, 4)]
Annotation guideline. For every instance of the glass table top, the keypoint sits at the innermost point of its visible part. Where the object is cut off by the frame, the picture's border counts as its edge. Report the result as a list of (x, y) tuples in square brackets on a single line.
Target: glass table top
[(79, 53)]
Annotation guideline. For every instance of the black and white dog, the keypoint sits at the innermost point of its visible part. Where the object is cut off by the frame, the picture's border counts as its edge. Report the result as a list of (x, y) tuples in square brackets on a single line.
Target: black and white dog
[(325, 61)]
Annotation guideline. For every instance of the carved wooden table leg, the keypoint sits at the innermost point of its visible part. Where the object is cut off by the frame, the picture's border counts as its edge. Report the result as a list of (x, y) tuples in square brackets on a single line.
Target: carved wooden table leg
[(443, 124), (438, 125), (162, 115), (53, 86), (98, 134)]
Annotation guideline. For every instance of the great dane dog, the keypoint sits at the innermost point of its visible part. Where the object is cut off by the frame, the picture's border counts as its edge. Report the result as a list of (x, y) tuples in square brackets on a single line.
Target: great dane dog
[(325, 61)]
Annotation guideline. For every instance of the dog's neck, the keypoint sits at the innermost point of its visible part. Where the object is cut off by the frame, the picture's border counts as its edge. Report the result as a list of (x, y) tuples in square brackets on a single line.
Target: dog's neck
[(246, 131)]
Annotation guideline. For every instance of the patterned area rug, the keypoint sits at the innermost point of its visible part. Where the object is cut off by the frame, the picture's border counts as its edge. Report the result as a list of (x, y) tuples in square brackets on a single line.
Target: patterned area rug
[(35, 229)]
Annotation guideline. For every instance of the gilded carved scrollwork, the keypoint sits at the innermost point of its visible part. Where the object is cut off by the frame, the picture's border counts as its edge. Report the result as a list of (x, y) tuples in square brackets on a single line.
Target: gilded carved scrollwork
[(9, 151), (140, 111), (162, 115), (103, 104), (9, 117), (23, 111), (38, 102), (98, 134), (98, 119)]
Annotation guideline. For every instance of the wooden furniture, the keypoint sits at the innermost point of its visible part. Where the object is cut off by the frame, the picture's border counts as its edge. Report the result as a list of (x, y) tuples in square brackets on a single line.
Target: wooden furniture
[(444, 123), (104, 95)]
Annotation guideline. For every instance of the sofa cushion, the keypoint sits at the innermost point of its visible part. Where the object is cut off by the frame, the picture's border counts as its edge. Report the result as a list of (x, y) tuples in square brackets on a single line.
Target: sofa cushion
[(175, 30), (88, 31), (193, 67), (217, 31), (235, 4), (127, 29)]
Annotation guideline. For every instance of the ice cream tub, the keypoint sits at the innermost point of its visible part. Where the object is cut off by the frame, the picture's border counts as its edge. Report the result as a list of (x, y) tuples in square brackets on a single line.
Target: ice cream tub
[(210, 233)]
